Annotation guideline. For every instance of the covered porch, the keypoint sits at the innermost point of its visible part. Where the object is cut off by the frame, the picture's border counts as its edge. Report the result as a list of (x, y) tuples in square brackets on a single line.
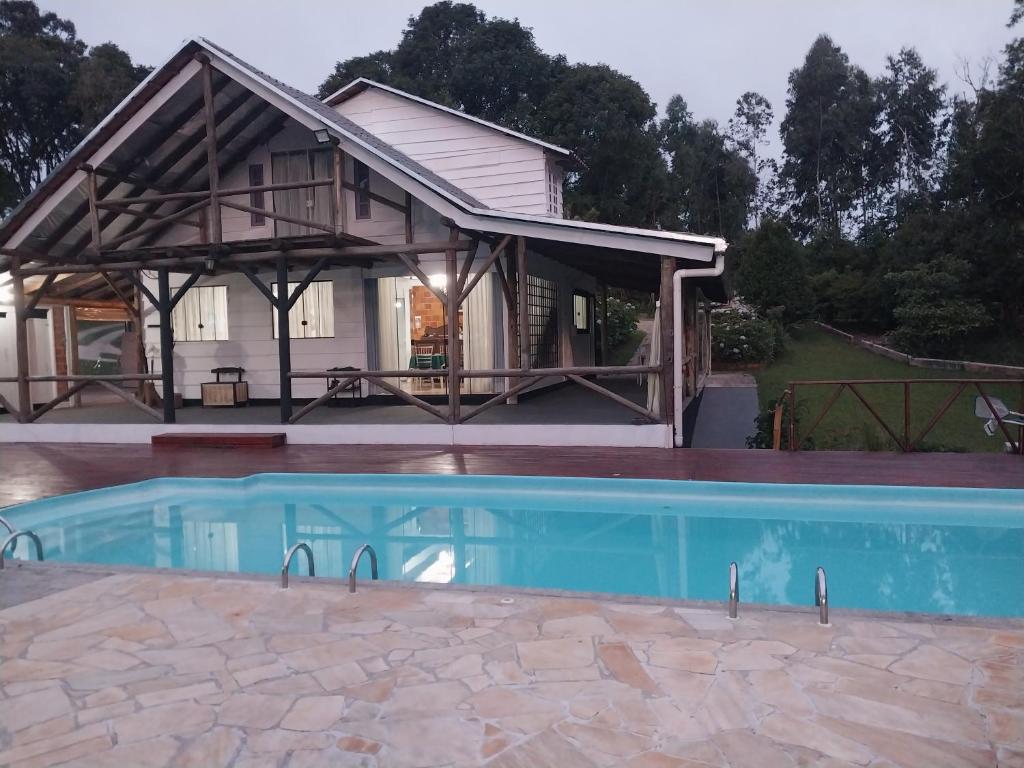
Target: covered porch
[(150, 210)]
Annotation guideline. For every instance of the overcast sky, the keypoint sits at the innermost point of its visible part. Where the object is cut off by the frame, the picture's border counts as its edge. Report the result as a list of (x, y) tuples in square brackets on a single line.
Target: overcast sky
[(710, 51)]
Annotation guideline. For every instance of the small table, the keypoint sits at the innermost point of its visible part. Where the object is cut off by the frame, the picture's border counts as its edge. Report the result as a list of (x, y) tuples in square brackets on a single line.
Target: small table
[(354, 388), (217, 394)]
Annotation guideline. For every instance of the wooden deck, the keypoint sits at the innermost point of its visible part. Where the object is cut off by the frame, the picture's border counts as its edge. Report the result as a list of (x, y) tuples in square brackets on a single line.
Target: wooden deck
[(221, 439), (35, 470)]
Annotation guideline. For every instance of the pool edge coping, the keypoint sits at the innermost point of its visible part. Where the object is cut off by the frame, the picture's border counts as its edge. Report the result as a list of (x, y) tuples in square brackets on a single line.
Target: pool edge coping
[(981, 622)]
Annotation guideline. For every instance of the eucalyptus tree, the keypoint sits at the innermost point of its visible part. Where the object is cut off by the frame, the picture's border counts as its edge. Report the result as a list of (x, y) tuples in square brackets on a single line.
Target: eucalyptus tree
[(829, 141), (748, 133)]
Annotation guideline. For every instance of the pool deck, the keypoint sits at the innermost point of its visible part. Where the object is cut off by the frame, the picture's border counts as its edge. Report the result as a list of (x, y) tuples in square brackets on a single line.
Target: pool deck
[(171, 669), (34, 470), (109, 667)]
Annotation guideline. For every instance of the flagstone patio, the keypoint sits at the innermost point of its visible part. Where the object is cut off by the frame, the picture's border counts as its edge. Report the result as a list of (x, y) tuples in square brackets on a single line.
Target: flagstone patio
[(167, 669)]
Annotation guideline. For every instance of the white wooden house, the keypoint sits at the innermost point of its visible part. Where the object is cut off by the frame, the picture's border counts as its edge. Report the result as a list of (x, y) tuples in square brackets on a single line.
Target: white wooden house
[(420, 248)]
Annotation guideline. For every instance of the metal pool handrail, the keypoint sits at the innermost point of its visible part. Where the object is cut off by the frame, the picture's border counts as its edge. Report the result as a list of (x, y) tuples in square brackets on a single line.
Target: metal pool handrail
[(288, 561), (821, 595), (734, 590), (7, 524), (355, 564), (14, 537)]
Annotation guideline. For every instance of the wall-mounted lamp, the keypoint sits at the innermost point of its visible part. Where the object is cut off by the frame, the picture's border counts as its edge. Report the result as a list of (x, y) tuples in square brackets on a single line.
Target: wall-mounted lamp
[(322, 136), (210, 264)]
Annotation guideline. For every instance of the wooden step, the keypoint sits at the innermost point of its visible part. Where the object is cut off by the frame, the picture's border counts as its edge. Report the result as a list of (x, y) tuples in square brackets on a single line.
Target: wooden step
[(222, 439)]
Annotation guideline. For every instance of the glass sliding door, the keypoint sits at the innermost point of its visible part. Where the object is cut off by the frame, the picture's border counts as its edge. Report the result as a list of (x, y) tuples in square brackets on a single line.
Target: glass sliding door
[(412, 333)]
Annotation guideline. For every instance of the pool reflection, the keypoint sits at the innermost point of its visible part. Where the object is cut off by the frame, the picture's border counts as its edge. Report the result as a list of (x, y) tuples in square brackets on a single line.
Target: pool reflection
[(898, 566)]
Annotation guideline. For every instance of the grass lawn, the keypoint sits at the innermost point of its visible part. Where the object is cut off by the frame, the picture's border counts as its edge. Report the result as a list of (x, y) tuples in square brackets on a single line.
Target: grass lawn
[(621, 353), (813, 354)]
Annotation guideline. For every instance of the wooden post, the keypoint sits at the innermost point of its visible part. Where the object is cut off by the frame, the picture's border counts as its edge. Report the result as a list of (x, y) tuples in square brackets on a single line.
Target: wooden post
[(524, 304), (211, 152), (604, 324), (688, 366), (668, 362), (452, 308), (94, 213), (512, 326), (284, 341), (338, 197), (72, 342), (166, 344), (409, 237), (21, 342), (906, 416), (142, 363)]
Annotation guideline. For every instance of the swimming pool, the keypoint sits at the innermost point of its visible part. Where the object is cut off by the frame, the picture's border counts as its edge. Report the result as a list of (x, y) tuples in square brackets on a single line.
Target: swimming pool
[(955, 551)]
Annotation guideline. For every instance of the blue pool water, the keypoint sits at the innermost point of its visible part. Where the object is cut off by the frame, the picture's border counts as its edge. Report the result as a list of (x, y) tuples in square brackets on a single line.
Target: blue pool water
[(956, 551)]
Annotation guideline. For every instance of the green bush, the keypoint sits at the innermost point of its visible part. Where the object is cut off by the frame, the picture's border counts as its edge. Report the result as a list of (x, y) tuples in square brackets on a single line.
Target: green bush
[(765, 423), (622, 321), (740, 337), (934, 316), (773, 272)]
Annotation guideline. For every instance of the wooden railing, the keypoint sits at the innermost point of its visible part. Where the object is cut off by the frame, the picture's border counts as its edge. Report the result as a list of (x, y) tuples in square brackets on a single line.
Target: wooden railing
[(901, 435), (76, 384), (527, 378)]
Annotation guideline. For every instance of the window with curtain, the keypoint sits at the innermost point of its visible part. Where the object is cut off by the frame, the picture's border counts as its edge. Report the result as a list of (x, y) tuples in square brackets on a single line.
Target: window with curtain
[(362, 179), (202, 314), (542, 304), (582, 312), (312, 317), (309, 204), (256, 199)]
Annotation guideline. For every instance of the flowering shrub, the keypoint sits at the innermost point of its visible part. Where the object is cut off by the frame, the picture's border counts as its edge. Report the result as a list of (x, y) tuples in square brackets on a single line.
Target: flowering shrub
[(740, 337)]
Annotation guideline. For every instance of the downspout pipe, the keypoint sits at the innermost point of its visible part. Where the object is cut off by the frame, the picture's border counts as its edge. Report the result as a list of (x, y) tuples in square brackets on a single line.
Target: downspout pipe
[(677, 336)]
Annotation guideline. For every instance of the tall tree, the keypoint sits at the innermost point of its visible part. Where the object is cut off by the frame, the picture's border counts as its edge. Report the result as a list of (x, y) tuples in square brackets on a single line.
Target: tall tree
[(39, 61), (51, 93), (828, 139), (712, 184), (378, 66), (748, 132), (609, 120), (911, 101), (105, 76)]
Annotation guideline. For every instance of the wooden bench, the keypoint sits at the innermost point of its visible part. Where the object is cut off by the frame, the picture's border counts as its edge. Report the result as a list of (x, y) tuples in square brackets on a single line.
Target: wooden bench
[(221, 439)]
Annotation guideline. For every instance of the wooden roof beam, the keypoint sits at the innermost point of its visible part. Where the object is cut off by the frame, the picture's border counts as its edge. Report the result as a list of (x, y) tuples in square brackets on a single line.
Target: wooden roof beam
[(109, 185), (171, 160)]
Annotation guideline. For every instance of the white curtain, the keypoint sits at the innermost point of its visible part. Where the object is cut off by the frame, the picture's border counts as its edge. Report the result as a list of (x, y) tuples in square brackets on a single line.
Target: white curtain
[(654, 379), (202, 314), (478, 334), (388, 331)]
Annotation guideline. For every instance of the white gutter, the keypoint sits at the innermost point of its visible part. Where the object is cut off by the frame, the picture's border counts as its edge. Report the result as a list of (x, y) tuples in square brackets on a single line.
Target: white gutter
[(677, 337)]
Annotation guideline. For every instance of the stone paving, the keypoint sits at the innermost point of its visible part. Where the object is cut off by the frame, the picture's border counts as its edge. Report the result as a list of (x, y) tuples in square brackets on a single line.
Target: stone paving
[(139, 669)]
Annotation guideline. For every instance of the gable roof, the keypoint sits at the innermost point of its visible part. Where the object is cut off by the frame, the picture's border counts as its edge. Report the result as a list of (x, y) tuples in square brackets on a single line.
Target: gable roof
[(441, 195), (362, 84)]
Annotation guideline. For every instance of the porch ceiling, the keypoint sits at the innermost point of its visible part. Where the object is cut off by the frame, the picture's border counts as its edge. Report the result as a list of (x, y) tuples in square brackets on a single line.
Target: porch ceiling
[(622, 269)]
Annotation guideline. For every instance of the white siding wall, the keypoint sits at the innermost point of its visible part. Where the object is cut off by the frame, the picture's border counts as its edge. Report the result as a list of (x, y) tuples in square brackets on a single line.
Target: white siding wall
[(501, 171), (251, 343), (40, 355)]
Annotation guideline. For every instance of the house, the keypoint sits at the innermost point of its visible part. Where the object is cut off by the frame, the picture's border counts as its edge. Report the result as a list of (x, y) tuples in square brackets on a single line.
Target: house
[(422, 250)]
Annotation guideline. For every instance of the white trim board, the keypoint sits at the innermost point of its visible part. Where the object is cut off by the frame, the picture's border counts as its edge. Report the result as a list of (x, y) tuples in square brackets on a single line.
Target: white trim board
[(593, 435)]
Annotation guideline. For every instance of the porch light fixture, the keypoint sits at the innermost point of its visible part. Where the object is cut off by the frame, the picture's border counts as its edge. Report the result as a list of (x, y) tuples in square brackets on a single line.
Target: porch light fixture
[(322, 136), (210, 263)]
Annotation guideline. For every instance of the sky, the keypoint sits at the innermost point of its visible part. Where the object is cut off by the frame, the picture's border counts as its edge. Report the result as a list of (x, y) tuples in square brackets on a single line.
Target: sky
[(709, 51)]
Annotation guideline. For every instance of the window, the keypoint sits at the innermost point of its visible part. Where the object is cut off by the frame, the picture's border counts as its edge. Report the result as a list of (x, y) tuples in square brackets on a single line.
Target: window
[(202, 314), (256, 199), (362, 177), (542, 305), (312, 317), (582, 312), (554, 190), (307, 204)]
